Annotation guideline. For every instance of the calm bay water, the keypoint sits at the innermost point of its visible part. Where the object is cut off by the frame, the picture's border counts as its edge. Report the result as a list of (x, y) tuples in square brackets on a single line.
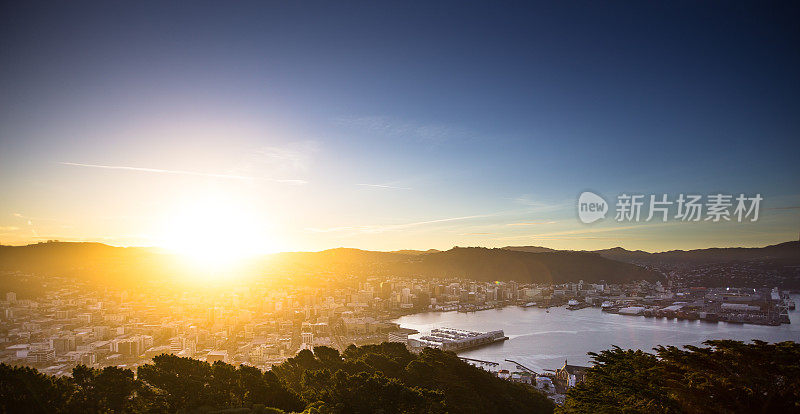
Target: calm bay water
[(542, 340)]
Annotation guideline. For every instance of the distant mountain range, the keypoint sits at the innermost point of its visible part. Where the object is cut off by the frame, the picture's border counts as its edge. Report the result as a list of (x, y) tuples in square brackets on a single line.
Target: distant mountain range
[(472, 262), (787, 252), (104, 264)]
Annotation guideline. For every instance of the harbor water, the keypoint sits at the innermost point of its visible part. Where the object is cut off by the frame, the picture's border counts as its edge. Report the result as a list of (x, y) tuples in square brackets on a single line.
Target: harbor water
[(542, 340)]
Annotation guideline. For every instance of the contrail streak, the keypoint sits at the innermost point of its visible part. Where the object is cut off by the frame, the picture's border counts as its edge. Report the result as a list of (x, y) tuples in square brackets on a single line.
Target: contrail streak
[(179, 172)]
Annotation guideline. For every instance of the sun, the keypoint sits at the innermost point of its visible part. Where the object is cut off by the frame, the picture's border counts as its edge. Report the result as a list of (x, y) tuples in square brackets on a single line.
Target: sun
[(215, 233)]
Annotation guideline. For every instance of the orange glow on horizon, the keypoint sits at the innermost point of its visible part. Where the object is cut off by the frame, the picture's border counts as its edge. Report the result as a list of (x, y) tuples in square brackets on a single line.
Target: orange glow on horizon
[(216, 233)]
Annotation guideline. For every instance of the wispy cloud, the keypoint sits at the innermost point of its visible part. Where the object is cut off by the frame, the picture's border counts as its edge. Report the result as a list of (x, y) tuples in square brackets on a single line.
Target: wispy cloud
[(394, 227), (182, 172), (158, 170), (295, 157), (29, 222), (387, 186), (578, 237), (29, 218), (531, 223), (331, 229), (539, 205), (394, 127), (8, 228), (582, 232), (289, 158), (287, 181)]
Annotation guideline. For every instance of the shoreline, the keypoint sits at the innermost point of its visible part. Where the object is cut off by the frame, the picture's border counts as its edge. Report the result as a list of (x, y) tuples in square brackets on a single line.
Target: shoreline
[(544, 340)]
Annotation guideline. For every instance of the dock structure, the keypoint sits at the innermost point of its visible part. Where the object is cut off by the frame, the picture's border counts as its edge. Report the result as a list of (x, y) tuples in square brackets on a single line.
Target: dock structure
[(520, 366), (465, 308), (480, 361), (451, 339)]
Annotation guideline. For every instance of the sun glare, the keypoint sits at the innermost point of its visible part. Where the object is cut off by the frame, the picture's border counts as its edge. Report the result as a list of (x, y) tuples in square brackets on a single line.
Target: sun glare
[(215, 234)]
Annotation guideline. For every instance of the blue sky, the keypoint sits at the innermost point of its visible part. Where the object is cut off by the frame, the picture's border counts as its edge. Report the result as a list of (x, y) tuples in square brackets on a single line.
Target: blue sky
[(392, 125)]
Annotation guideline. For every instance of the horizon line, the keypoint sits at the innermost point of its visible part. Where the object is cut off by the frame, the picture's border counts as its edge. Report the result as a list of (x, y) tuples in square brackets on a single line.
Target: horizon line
[(53, 241)]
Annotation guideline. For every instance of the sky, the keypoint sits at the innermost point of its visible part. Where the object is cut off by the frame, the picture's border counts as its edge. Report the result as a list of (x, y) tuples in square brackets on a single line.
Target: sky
[(277, 126)]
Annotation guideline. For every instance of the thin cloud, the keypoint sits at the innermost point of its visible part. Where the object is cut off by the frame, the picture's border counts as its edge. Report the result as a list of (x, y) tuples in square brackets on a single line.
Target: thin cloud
[(29, 218), (577, 233), (182, 172), (331, 229), (532, 223), (293, 157), (29, 222), (287, 181), (392, 187), (394, 127), (587, 238), (422, 223), (394, 227)]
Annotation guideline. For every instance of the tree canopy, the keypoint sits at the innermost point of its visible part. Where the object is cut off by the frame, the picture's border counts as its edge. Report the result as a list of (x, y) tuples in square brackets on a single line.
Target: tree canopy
[(724, 377), (384, 378)]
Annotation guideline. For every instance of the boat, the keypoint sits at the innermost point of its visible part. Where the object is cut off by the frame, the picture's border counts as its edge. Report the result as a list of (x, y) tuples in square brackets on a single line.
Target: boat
[(528, 305), (632, 310), (709, 316), (607, 304)]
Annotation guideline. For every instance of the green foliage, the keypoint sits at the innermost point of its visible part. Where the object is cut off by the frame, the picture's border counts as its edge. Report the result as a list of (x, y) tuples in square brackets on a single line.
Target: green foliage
[(468, 389), (108, 390), (725, 377), (388, 378), (189, 383), (369, 393), (24, 389), (621, 381), (384, 378), (169, 384)]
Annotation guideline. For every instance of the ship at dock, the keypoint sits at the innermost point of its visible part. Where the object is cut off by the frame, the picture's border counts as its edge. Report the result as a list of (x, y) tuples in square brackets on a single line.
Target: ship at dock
[(574, 304), (451, 339)]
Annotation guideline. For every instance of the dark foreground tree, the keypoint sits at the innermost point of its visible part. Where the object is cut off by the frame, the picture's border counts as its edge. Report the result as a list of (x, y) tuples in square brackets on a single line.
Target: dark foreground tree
[(108, 390), (390, 379), (26, 390), (190, 384), (724, 377), (384, 378)]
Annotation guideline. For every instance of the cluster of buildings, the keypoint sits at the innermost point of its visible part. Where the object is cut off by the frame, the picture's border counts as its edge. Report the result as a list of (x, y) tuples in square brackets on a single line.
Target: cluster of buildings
[(733, 305), (757, 274), (554, 383), (69, 322)]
